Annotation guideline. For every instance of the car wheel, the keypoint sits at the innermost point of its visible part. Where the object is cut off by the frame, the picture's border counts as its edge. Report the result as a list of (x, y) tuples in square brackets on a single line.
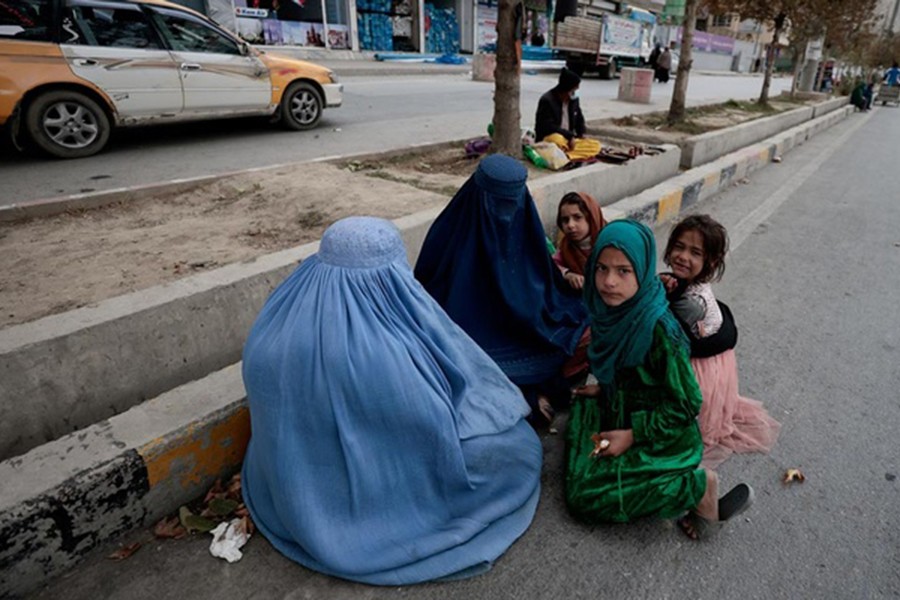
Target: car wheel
[(301, 106), (67, 124)]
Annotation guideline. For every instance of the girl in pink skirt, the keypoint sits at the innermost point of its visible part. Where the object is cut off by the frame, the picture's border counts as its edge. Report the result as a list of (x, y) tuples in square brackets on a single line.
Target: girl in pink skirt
[(728, 421)]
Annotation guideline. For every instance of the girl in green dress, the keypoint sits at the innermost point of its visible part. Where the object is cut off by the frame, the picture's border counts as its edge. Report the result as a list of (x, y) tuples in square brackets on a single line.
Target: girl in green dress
[(634, 446)]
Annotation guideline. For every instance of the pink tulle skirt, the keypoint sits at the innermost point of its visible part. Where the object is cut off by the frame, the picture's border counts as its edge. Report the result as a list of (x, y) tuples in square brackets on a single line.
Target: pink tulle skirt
[(728, 421)]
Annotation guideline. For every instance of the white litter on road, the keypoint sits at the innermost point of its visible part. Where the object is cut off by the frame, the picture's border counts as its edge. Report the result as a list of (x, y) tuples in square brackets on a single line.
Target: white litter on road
[(228, 539)]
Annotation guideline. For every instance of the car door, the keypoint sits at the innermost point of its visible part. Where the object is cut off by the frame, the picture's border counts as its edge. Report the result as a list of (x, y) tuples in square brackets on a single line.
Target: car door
[(218, 73), (114, 46)]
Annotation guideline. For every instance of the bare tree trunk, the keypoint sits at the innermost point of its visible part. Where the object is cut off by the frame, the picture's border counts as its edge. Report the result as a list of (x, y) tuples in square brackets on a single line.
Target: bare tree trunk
[(770, 60), (507, 138), (798, 67), (679, 94)]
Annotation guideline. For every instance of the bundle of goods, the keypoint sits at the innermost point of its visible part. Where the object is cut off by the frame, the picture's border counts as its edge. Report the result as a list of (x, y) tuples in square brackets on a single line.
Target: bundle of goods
[(442, 30), (402, 26), (376, 31)]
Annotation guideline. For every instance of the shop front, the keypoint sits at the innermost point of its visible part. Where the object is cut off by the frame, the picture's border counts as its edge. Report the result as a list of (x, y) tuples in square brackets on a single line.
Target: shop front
[(413, 26)]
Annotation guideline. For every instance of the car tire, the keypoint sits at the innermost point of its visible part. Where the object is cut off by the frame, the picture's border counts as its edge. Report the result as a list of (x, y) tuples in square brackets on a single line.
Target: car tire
[(301, 106), (67, 124)]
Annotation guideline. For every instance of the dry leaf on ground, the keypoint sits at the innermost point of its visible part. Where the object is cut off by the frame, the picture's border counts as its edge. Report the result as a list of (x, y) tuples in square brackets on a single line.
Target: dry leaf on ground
[(193, 522), (169, 528), (216, 491), (792, 475), (234, 488), (222, 507), (125, 551)]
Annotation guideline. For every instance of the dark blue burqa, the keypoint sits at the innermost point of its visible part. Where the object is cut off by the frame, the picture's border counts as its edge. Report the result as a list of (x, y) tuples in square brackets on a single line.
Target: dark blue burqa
[(485, 261), (387, 447)]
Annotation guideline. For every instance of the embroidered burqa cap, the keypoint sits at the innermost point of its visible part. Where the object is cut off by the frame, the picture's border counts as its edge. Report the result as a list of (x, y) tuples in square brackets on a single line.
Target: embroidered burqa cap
[(386, 447), (485, 261)]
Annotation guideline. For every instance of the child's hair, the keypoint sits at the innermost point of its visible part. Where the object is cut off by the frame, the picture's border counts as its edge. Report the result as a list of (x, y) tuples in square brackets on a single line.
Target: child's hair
[(575, 199), (715, 245)]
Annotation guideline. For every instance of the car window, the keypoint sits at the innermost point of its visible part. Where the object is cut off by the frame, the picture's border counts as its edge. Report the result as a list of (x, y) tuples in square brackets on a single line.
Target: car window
[(189, 34), (25, 19), (118, 26)]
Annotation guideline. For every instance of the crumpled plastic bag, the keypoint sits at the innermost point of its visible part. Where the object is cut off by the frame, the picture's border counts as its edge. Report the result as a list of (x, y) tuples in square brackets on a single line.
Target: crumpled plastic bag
[(553, 154), (228, 539)]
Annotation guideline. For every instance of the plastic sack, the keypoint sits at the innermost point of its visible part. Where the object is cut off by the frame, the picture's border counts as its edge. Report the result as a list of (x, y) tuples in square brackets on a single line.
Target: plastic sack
[(555, 158)]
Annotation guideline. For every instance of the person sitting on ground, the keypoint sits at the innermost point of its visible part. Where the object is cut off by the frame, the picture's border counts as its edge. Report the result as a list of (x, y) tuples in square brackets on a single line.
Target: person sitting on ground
[(485, 261), (729, 422), (559, 118), (634, 446), (579, 220), (387, 447)]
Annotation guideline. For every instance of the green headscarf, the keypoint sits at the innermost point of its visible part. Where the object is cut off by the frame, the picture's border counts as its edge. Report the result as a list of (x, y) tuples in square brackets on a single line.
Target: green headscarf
[(621, 335)]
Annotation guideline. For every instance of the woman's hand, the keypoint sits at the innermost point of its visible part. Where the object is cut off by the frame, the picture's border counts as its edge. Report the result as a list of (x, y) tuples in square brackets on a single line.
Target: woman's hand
[(575, 280), (589, 391), (620, 440)]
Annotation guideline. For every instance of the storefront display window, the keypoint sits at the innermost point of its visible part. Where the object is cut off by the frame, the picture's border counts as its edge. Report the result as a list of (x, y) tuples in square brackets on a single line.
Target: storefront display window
[(441, 27), (291, 23)]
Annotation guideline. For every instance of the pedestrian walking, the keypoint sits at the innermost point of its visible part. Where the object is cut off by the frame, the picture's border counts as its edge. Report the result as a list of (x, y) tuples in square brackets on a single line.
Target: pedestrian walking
[(654, 55), (664, 65), (634, 445), (892, 75), (729, 422)]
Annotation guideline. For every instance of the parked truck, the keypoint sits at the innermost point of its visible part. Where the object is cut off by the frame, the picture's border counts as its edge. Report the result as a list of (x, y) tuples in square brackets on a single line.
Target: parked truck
[(604, 43)]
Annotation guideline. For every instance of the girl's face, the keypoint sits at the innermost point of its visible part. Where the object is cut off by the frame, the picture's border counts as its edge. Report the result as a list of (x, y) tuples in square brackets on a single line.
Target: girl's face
[(687, 256), (574, 223), (615, 278)]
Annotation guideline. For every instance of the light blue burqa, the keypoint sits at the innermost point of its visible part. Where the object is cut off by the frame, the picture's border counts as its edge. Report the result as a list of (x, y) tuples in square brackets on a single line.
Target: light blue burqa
[(387, 447)]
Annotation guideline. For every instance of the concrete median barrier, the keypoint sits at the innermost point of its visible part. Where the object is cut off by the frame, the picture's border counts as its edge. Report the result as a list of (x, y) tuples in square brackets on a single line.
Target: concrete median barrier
[(89, 364)]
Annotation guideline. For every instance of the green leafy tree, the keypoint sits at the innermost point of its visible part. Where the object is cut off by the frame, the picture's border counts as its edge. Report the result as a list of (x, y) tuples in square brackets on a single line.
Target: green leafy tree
[(843, 21)]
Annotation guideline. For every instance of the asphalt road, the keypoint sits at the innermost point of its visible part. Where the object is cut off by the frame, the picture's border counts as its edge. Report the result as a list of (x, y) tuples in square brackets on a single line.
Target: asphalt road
[(379, 113), (813, 280)]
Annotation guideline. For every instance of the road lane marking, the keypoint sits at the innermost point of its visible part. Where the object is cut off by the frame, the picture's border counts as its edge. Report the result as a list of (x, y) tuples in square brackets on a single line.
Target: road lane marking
[(740, 232)]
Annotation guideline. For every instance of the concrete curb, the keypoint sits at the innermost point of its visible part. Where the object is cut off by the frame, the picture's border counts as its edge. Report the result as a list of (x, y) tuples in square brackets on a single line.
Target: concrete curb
[(70, 495), (706, 147), (47, 207), (666, 201), (144, 343)]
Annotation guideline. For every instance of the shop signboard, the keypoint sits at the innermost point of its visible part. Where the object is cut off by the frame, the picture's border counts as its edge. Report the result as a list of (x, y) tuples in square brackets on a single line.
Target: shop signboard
[(287, 22), (487, 25), (707, 42)]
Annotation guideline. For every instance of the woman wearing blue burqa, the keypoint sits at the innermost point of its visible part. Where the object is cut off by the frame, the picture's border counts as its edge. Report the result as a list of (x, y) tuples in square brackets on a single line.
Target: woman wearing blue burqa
[(387, 447), (485, 261)]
